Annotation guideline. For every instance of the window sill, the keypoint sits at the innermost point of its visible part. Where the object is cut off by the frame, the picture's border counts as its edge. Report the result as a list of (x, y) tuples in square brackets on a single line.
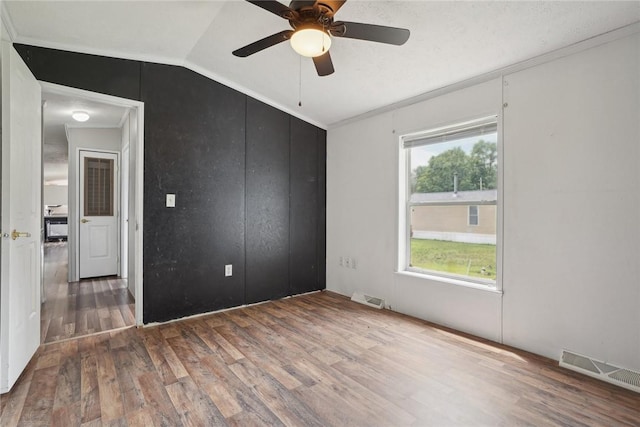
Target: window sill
[(450, 281)]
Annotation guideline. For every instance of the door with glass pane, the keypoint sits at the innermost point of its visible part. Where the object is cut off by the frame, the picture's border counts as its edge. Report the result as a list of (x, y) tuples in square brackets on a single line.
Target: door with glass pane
[(98, 214)]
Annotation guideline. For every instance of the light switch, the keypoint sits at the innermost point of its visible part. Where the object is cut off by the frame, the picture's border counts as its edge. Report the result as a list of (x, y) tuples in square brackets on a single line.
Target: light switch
[(171, 200)]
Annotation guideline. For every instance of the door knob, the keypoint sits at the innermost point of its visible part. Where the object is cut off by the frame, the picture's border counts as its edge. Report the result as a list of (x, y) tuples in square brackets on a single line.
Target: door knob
[(15, 234), (84, 220)]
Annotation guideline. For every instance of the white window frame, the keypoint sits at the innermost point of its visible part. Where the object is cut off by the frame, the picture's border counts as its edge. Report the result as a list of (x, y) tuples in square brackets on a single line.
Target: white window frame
[(404, 217)]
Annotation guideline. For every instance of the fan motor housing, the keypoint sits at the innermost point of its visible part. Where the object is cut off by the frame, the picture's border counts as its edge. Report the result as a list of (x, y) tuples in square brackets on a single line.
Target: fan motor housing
[(318, 16)]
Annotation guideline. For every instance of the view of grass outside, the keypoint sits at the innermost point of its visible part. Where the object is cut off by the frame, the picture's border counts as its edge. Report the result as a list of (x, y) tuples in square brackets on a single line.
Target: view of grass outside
[(467, 259)]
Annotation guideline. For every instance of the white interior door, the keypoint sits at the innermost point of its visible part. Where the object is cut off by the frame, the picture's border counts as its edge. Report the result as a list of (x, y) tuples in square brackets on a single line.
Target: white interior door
[(98, 214), (21, 217)]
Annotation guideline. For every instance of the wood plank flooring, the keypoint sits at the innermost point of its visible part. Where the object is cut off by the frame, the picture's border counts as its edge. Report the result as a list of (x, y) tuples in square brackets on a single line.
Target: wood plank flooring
[(312, 360), (80, 308)]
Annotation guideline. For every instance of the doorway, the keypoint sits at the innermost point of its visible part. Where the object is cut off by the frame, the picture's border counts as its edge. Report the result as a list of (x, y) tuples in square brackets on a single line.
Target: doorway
[(83, 296)]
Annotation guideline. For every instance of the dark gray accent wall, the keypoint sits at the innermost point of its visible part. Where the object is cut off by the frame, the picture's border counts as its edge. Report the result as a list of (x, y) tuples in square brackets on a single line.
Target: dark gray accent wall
[(267, 202), (199, 158), (111, 76), (249, 182), (304, 261)]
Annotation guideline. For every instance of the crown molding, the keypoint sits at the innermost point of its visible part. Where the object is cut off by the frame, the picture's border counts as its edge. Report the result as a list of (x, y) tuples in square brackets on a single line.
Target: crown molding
[(233, 85), (73, 126)]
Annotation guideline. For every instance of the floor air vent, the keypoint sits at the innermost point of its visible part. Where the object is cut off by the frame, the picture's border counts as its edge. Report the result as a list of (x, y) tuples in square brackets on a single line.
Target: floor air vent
[(368, 300), (603, 371)]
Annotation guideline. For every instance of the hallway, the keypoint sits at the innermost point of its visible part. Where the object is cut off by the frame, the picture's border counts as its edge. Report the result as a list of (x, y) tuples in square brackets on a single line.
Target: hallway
[(80, 308)]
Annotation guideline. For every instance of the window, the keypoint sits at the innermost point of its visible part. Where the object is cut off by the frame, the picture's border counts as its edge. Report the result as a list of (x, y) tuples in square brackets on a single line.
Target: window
[(451, 182), (473, 215)]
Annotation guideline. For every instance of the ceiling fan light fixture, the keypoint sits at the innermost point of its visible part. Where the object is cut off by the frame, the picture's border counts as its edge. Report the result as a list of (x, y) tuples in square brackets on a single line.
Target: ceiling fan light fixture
[(310, 42), (80, 116)]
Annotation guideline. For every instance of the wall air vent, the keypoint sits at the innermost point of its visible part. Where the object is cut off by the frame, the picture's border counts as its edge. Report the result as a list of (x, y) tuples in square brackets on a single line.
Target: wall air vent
[(603, 371), (368, 300)]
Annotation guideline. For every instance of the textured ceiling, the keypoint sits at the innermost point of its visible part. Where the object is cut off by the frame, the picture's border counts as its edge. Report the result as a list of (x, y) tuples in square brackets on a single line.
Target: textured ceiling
[(450, 42)]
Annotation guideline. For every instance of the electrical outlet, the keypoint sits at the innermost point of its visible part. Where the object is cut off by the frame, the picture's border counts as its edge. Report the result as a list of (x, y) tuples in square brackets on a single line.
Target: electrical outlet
[(353, 263), (228, 270), (341, 261), (347, 262), (171, 200)]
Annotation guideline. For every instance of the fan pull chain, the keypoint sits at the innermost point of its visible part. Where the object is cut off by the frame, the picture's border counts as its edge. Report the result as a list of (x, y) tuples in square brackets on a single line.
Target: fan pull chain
[(299, 81)]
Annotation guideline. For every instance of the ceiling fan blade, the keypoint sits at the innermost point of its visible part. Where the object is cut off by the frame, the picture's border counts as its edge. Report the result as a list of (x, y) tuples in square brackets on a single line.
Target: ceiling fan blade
[(334, 5), (274, 7), (264, 43), (370, 32), (324, 65)]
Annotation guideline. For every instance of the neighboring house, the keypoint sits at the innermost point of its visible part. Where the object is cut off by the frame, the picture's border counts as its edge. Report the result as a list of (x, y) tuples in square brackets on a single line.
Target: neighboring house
[(463, 216)]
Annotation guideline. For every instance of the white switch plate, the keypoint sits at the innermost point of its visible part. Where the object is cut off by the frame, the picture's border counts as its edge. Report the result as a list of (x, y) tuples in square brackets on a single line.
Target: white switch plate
[(171, 200), (228, 270)]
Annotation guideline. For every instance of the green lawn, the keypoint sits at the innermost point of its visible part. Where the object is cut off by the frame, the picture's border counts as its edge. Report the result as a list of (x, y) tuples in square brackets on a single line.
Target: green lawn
[(467, 259)]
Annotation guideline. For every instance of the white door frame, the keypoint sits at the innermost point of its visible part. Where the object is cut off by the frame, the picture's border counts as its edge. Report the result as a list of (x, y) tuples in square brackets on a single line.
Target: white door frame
[(124, 204), (138, 107)]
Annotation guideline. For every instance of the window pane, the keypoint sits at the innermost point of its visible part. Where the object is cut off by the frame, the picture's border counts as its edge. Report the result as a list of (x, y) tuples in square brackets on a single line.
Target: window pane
[(473, 215), (452, 201)]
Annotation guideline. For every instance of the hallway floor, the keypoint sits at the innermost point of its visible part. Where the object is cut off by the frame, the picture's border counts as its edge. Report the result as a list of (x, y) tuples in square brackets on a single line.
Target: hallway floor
[(80, 308)]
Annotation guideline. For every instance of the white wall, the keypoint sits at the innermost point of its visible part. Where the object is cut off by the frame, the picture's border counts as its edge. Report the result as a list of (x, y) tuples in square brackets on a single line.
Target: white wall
[(569, 208), (56, 195), (572, 198), (96, 139)]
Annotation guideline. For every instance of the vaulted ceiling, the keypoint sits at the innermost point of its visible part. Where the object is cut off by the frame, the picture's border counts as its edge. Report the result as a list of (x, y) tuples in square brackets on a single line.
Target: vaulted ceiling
[(450, 42)]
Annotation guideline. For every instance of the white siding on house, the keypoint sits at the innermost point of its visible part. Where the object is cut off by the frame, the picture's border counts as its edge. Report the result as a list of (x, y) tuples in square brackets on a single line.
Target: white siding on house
[(571, 213), (485, 239)]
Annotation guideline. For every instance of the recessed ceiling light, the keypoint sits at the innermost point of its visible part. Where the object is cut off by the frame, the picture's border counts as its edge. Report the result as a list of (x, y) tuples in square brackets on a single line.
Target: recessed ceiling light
[(80, 116)]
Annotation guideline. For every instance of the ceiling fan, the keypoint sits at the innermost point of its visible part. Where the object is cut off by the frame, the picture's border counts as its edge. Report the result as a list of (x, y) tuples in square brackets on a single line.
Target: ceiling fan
[(313, 24)]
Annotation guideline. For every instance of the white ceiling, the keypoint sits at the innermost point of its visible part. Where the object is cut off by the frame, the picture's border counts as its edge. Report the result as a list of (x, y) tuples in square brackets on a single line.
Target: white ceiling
[(56, 115), (450, 42)]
